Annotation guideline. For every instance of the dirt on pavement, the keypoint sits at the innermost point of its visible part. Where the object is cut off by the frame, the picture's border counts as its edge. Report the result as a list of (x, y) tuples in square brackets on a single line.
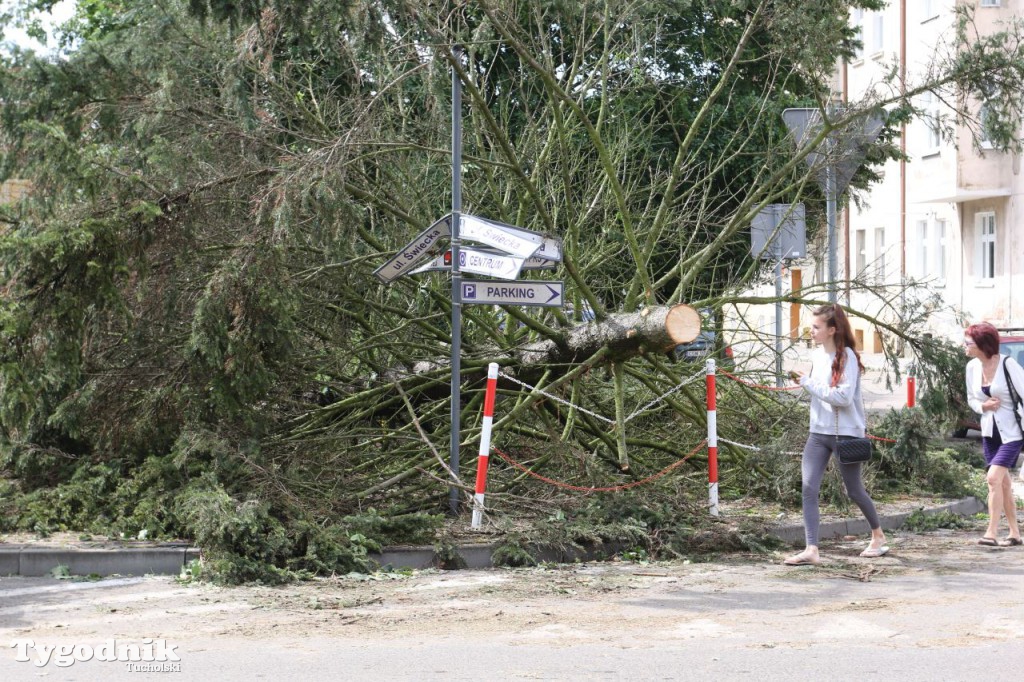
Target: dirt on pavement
[(557, 603)]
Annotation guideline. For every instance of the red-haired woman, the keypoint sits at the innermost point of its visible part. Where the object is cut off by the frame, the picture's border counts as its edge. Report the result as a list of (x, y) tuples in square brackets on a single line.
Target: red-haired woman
[(837, 412), (1001, 437)]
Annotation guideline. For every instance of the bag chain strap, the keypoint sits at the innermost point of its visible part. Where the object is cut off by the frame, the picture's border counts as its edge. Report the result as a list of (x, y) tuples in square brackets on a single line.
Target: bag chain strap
[(1014, 395)]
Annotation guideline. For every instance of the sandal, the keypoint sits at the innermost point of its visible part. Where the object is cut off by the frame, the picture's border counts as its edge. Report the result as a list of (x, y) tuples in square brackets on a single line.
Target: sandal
[(875, 552), (801, 560), (1011, 542), (988, 542)]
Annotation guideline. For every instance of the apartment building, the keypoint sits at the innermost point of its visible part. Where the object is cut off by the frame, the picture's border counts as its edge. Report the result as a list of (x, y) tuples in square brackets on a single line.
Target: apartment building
[(951, 217)]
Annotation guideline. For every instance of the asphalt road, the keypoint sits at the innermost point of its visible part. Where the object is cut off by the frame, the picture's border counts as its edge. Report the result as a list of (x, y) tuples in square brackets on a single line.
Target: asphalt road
[(938, 607)]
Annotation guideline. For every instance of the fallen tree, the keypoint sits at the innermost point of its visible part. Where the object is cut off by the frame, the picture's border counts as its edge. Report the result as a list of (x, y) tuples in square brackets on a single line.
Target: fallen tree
[(192, 329)]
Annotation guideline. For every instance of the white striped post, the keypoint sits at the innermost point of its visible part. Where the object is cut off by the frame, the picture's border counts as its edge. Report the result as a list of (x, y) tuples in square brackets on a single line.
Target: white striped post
[(483, 456), (712, 439)]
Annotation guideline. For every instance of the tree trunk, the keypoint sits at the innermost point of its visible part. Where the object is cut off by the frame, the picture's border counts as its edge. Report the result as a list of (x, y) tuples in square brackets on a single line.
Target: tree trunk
[(625, 334)]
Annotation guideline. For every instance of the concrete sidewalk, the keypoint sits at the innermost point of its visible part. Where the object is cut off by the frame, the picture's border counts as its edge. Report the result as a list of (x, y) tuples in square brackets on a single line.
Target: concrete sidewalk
[(36, 561)]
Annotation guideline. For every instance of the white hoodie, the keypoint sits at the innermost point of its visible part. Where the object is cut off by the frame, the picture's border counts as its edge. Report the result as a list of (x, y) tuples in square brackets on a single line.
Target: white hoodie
[(844, 397)]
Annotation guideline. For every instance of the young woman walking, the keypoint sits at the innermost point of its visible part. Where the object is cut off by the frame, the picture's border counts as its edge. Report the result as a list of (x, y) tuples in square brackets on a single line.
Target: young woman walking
[(837, 412)]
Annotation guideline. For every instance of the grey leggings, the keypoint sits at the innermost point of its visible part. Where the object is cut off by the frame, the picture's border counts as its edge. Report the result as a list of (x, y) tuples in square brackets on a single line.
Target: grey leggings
[(816, 455)]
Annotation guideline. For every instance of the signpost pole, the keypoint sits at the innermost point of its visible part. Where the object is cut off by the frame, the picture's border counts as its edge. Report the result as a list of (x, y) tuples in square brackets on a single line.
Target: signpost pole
[(830, 213), (778, 310), (453, 492)]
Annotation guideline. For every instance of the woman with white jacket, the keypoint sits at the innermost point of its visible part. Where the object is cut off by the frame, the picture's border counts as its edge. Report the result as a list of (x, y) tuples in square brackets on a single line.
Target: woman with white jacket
[(1001, 438), (837, 412)]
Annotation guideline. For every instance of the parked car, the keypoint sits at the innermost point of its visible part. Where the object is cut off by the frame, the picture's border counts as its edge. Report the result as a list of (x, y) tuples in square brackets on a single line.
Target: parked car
[(701, 347), (1011, 343)]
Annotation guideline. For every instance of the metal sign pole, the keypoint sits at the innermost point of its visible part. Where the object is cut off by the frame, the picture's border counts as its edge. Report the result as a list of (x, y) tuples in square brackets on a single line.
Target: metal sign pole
[(830, 212), (778, 311), (453, 492)]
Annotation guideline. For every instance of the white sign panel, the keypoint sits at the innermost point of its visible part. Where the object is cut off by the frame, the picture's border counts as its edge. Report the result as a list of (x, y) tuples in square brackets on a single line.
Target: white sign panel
[(443, 262), (479, 262), (526, 292), (550, 247), (412, 253), (517, 242)]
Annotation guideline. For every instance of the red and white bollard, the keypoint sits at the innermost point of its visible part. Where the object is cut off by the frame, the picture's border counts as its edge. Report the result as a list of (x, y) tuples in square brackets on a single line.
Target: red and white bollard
[(483, 456), (712, 440)]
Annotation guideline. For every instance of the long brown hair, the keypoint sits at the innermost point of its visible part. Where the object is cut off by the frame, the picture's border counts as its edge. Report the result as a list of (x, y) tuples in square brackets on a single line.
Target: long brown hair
[(835, 317)]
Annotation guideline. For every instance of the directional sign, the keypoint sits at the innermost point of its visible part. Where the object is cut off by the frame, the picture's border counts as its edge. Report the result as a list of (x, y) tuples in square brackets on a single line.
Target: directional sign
[(444, 262), (425, 244), (525, 292), (516, 241), (479, 262), (550, 247)]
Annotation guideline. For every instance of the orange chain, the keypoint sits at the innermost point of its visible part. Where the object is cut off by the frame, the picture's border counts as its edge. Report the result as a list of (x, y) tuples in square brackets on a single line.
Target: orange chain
[(753, 385), (788, 388)]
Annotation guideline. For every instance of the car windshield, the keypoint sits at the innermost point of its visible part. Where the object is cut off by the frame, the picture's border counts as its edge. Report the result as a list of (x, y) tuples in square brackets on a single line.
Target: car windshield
[(1014, 349)]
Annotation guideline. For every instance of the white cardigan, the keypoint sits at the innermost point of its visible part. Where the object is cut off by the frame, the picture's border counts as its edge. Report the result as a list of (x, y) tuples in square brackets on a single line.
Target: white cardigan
[(1003, 417), (826, 399)]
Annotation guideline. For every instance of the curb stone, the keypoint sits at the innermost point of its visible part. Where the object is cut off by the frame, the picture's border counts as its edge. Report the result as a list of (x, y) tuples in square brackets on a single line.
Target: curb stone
[(967, 506), (29, 561)]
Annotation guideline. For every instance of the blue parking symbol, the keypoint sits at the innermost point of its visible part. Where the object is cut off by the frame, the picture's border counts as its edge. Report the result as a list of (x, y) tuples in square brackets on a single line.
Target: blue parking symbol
[(468, 291)]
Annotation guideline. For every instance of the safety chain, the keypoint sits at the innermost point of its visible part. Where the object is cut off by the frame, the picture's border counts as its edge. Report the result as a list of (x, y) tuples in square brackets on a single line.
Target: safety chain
[(688, 380), (740, 445), (761, 386), (777, 388), (599, 489), (635, 413), (556, 398)]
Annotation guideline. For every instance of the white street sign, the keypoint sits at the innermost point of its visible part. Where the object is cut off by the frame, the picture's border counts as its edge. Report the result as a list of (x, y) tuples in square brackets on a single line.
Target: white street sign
[(515, 241), (479, 262), (412, 253), (550, 247), (443, 263), (550, 250), (526, 292)]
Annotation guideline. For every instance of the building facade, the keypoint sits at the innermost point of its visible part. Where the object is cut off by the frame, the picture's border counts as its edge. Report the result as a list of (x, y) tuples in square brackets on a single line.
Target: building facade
[(950, 217)]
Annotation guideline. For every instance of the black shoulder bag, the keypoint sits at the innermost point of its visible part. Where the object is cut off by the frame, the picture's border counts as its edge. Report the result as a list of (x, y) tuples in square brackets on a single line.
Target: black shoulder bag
[(851, 450), (1014, 395)]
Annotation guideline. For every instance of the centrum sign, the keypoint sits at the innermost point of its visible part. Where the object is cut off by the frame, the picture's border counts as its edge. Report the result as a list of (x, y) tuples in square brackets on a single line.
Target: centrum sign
[(444, 261), (525, 292), (424, 245), (489, 264)]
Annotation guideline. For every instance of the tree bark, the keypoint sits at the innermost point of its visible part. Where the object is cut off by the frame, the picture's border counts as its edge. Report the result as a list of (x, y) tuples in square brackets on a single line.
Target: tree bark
[(626, 335)]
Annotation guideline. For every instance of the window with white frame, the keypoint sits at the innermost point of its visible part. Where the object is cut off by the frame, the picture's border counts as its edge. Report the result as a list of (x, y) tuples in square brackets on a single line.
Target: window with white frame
[(939, 240), (928, 250), (929, 9), (861, 250), (990, 3), (985, 228), (932, 124), (858, 26), (984, 125), (921, 248), (877, 31), (880, 255)]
